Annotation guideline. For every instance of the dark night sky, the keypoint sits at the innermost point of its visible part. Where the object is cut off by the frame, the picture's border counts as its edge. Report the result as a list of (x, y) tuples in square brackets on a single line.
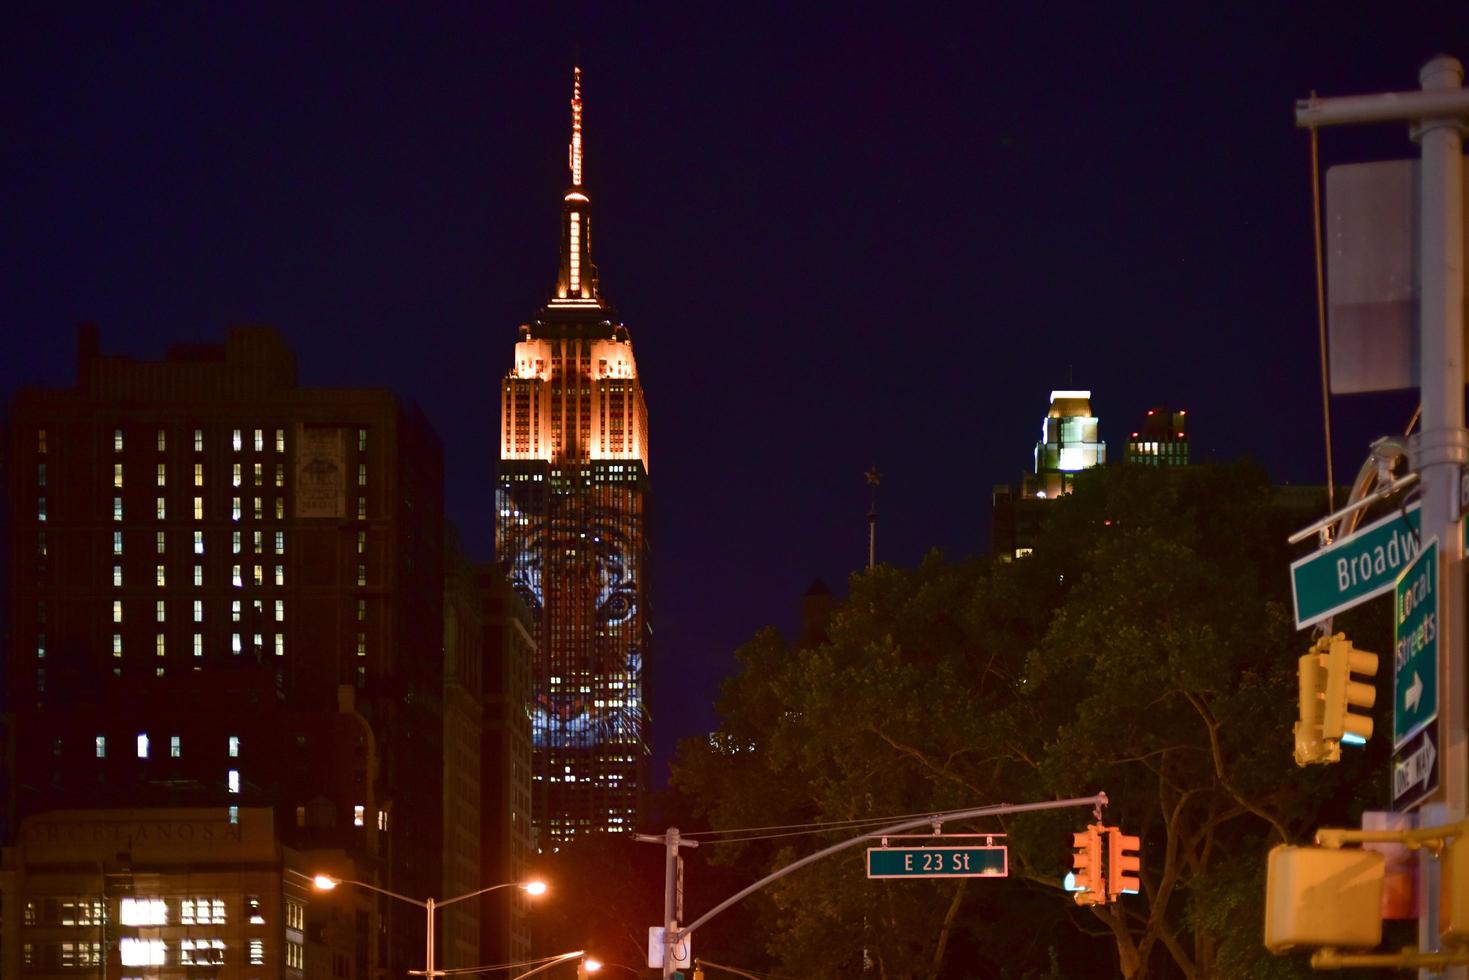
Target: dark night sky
[(838, 238)]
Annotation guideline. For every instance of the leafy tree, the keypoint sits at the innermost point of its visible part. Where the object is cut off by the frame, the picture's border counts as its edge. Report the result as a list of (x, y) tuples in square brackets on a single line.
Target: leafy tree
[(1145, 649)]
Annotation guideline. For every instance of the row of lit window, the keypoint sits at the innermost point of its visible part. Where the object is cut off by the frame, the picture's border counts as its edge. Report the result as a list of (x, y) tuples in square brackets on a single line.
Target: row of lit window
[(160, 575), (134, 951), (237, 510), (257, 575), (190, 952), (236, 474), (64, 911), (63, 956), (258, 540), (259, 547), (150, 911), (237, 440), (359, 819), (175, 751), (236, 607), (161, 644)]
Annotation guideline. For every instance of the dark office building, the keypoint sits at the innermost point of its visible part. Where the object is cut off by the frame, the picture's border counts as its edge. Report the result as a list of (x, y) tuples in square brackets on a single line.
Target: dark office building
[(488, 650), (226, 592), (572, 530), (508, 631), (1162, 440)]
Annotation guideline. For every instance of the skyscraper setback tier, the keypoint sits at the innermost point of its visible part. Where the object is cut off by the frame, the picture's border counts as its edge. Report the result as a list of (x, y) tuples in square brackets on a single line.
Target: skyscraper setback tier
[(572, 532)]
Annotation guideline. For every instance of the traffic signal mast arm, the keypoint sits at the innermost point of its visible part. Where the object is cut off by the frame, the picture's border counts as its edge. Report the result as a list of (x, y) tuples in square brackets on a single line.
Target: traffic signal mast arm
[(673, 937), (1430, 837)]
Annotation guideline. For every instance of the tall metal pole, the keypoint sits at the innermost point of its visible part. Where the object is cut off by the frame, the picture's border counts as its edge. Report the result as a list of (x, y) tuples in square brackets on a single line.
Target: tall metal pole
[(873, 479), (428, 958), (1441, 448), (670, 884)]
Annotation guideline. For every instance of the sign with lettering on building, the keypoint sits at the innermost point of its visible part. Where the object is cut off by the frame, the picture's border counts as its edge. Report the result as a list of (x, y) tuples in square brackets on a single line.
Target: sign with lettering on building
[(321, 472)]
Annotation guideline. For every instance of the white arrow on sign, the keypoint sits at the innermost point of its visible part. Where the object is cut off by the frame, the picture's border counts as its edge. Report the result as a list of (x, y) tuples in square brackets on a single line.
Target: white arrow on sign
[(1415, 769), (1414, 693)]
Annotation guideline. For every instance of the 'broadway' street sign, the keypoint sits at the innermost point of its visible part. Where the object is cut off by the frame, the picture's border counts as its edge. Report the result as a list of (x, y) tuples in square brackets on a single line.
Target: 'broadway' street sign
[(1354, 569)]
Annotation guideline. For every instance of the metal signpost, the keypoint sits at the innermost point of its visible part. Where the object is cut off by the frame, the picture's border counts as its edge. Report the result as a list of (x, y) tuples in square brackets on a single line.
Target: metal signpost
[(1438, 453)]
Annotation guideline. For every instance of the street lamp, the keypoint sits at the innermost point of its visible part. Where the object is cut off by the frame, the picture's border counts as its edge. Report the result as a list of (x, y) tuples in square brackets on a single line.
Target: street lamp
[(326, 882)]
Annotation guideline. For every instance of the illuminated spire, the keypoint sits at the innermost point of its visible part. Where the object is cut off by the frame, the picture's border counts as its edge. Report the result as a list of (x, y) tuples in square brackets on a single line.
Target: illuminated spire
[(575, 148), (577, 282)]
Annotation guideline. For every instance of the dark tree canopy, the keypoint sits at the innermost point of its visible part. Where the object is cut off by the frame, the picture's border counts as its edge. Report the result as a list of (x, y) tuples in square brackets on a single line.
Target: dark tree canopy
[(1146, 648)]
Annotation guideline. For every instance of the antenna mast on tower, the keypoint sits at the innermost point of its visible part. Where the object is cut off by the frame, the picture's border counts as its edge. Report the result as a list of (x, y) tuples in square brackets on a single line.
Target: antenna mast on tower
[(873, 479)]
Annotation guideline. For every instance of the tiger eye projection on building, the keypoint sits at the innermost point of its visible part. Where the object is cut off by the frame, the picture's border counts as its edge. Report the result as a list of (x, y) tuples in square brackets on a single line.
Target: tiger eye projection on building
[(572, 531)]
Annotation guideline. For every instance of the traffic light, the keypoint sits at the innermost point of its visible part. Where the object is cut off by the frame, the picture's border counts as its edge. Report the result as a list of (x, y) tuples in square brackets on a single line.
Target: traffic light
[(1087, 866), (1311, 746), (1342, 693), (1123, 862)]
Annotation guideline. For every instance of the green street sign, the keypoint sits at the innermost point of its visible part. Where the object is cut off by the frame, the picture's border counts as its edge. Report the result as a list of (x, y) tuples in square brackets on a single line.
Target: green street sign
[(1415, 645), (938, 862), (1354, 569)]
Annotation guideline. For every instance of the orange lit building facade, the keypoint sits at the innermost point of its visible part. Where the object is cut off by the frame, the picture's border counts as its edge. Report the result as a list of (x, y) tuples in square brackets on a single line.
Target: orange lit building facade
[(572, 533)]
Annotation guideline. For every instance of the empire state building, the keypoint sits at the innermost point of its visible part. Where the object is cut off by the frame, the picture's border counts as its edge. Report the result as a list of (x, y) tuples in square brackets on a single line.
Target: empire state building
[(571, 530)]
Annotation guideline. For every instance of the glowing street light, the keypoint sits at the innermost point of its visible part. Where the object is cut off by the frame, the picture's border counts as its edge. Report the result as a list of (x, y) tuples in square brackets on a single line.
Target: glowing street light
[(326, 882)]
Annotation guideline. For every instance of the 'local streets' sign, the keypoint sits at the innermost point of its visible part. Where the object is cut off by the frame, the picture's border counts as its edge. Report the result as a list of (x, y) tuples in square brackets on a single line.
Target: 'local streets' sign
[(1354, 569), (1415, 645), (938, 862)]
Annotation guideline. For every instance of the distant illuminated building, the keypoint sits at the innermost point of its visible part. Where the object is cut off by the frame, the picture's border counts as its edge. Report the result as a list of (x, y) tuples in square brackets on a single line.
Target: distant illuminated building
[(1070, 442), (572, 532), (1162, 440)]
